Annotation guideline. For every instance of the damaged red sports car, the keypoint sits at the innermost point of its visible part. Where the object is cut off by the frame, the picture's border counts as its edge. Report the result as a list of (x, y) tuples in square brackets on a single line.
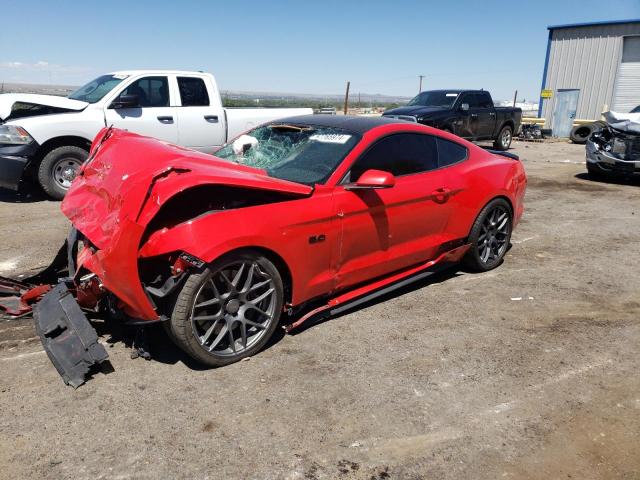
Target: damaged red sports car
[(295, 218)]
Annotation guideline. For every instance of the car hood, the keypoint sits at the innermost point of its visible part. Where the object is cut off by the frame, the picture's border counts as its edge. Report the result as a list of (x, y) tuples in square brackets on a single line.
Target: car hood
[(7, 101), (128, 178), (415, 110), (624, 122)]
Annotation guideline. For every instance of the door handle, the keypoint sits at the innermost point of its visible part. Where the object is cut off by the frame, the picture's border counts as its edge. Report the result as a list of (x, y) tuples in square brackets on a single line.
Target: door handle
[(165, 119), (474, 115), (441, 195), (211, 118), (492, 114)]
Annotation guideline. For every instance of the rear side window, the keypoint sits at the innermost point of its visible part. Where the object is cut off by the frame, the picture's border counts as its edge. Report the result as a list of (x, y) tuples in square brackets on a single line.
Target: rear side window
[(450, 152), (484, 100), (193, 92), (399, 154)]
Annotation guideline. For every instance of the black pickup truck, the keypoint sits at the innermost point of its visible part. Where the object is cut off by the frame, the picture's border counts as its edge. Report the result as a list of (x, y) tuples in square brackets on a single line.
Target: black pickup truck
[(467, 113)]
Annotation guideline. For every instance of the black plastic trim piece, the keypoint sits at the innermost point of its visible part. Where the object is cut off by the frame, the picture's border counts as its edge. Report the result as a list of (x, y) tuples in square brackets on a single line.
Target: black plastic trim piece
[(67, 336)]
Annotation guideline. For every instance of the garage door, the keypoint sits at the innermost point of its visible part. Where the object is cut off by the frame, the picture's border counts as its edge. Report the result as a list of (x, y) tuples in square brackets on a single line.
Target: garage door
[(627, 91)]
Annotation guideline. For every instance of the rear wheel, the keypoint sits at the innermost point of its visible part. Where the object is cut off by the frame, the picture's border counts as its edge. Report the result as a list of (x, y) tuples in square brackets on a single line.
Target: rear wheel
[(490, 236), (503, 140), (230, 310), (59, 168)]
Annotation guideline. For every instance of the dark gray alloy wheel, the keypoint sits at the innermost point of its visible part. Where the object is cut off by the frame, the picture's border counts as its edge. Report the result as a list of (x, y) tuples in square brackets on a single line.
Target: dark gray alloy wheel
[(490, 236), (229, 311)]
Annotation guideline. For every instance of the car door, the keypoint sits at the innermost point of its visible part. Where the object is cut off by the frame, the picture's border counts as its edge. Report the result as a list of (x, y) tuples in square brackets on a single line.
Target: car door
[(200, 114), (467, 117), (385, 230), (154, 115), (486, 115)]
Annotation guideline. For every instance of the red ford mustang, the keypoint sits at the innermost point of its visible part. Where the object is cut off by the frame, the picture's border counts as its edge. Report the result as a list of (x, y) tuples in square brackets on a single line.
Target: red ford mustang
[(298, 217)]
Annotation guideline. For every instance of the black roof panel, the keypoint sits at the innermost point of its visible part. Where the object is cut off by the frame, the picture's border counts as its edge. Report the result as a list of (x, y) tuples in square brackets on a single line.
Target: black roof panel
[(351, 123)]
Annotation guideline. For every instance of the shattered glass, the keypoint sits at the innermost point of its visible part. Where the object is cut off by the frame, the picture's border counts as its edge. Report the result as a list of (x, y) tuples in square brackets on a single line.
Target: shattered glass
[(302, 154)]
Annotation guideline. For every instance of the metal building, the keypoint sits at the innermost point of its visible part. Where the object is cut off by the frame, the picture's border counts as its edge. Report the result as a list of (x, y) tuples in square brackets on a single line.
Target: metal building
[(589, 68)]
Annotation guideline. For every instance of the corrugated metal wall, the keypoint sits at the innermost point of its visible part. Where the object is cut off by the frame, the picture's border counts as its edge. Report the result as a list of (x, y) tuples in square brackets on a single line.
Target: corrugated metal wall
[(585, 58)]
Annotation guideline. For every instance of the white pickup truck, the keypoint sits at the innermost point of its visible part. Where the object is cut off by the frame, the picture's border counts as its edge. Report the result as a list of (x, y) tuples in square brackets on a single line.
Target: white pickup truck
[(47, 137)]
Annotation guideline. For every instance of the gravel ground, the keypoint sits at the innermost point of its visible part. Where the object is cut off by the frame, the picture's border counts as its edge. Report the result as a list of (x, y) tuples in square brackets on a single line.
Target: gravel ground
[(528, 371)]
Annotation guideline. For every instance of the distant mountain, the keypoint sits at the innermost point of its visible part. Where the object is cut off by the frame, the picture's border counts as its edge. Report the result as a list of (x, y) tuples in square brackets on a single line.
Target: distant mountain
[(60, 90), (354, 97)]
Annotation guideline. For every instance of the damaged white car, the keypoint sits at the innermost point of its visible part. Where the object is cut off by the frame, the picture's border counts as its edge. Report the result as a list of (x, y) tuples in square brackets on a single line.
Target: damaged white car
[(616, 148), (47, 138)]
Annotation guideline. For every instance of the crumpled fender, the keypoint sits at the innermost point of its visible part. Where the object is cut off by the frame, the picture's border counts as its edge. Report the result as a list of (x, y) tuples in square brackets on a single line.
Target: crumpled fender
[(124, 183)]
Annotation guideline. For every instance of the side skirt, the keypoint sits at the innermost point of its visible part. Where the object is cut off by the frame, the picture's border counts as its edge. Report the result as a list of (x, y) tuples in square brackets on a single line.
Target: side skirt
[(363, 294)]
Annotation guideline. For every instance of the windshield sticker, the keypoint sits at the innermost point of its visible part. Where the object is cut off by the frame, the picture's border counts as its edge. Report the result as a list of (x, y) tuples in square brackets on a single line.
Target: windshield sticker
[(330, 138), (452, 94)]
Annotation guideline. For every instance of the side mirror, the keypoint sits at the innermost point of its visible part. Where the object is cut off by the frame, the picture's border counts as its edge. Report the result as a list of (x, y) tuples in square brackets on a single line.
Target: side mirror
[(126, 101), (373, 179), (464, 107)]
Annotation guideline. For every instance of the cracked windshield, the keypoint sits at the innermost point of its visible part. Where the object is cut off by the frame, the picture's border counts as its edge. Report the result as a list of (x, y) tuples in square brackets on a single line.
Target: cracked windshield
[(302, 154)]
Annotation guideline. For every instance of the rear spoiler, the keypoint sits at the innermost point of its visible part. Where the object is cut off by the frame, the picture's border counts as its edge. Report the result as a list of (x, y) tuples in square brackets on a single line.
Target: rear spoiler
[(512, 156)]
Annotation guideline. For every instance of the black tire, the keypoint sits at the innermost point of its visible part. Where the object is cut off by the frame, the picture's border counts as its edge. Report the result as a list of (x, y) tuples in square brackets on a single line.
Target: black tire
[(473, 260), (58, 168), (581, 133), (503, 140), (230, 316)]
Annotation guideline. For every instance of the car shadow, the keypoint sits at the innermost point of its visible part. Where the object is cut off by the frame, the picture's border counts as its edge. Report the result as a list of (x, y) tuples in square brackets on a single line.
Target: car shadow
[(162, 348), (611, 179), (27, 193)]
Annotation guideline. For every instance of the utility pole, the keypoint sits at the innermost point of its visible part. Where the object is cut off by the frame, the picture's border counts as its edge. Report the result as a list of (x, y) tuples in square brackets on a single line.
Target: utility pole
[(515, 97), (346, 99), (420, 87)]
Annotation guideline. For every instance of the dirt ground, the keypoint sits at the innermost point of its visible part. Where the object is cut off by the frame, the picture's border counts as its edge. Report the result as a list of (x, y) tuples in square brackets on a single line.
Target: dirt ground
[(528, 371)]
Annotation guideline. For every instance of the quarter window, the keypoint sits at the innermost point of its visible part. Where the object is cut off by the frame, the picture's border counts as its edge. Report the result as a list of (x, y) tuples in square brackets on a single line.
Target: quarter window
[(399, 154), (151, 91), (193, 92), (450, 152)]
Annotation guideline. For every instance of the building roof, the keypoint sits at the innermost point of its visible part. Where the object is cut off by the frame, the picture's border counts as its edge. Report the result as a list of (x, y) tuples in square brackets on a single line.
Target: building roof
[(593, 24)]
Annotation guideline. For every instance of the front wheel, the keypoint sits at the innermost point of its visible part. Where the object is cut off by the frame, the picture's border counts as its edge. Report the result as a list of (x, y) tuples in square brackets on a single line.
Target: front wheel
[(58, 169), (503, 141), (228, 311), (490, 236)]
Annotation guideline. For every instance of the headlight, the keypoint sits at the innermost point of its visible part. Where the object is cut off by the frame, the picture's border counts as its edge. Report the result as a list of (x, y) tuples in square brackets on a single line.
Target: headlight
[(13, 135)]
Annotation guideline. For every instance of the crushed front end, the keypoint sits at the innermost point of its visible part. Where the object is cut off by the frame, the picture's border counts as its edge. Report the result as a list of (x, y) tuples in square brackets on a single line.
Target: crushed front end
[(124, 263), (615, 148)]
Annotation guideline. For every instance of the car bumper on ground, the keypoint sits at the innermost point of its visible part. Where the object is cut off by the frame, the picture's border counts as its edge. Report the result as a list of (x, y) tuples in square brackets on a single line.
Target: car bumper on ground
[(13, 162), (609, 163)]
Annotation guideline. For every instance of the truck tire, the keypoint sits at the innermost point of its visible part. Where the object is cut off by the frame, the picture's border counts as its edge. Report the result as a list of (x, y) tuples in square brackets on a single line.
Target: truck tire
[(580, 133), (503, 140), (58, 169)]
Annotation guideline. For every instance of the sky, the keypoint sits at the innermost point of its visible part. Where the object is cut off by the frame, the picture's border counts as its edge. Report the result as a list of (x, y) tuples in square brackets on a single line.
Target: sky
[(296, 46)]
